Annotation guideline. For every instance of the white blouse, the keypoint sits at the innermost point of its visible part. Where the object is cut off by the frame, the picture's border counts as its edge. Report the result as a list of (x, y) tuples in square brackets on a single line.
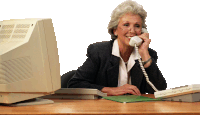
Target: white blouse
[(123, 77)]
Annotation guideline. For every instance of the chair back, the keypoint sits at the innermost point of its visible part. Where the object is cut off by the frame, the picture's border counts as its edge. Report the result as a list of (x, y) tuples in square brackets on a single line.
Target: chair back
[(66, 77)]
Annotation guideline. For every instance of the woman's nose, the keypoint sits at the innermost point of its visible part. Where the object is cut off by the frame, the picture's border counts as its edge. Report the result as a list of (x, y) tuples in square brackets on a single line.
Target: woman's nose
[(132, 30)]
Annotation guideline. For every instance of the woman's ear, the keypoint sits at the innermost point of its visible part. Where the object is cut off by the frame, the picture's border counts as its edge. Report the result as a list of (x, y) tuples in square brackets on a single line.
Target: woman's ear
[(115, 32)]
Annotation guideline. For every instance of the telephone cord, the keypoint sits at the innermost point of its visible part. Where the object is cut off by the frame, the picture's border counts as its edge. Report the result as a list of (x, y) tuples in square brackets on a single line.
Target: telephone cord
[(143, 70)]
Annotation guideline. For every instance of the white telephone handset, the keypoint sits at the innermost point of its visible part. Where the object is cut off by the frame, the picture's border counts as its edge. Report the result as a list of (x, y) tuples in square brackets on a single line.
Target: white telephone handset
[(135, 42)]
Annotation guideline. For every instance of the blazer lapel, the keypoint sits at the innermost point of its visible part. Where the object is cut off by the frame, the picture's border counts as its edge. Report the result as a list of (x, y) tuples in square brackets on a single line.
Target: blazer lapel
[(113, 71), (136, 75)]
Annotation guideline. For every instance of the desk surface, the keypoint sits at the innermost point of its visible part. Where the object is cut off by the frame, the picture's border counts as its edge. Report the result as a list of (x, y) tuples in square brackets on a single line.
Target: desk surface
[(102, 106)]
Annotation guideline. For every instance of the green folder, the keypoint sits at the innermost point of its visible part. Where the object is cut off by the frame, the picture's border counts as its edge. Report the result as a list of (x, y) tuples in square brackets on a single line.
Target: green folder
[(130, 98)]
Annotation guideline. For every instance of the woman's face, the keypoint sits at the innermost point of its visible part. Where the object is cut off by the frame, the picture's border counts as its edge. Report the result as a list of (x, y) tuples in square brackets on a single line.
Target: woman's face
[(129, 25)]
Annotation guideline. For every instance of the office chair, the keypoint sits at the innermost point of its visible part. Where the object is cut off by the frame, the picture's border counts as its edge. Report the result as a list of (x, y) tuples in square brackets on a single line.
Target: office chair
[(66, 77)]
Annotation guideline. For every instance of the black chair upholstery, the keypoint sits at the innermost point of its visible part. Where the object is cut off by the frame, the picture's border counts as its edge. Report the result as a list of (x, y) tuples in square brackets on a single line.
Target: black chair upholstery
[(66, 77)]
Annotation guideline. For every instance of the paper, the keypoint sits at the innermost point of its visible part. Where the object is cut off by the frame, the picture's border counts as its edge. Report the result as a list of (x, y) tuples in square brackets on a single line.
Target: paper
[(130, 98)]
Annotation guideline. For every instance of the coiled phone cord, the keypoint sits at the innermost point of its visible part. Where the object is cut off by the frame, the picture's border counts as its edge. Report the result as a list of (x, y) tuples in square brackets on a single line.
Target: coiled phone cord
[(143, 70)]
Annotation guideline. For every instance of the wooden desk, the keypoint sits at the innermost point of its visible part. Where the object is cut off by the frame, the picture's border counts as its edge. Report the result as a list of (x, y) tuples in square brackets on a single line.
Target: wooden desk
[(102, 106)]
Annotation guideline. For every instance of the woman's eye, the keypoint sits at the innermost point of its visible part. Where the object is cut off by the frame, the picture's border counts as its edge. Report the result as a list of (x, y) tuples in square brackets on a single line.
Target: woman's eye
[(126, 24), (137, 25)]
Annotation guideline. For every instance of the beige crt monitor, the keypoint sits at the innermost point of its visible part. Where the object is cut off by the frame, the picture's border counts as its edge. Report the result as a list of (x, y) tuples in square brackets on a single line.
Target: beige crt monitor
[(29, 62)]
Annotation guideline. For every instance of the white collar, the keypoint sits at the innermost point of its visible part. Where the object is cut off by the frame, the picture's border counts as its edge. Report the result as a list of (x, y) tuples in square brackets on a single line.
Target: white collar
[(115, 51)]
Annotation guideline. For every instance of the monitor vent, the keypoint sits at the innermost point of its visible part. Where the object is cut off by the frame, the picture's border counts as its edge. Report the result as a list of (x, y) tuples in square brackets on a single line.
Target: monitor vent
[(20, 31), (6, 32), (23, 26), (13, 32), (8, 26), (15, 70)]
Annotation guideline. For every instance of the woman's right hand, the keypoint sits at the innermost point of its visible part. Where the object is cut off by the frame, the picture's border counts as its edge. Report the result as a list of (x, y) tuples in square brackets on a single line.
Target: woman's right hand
[(125, 89)]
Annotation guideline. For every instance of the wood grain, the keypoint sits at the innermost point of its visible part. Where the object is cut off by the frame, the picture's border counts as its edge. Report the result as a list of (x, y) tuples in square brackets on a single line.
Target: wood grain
[(102, 106)]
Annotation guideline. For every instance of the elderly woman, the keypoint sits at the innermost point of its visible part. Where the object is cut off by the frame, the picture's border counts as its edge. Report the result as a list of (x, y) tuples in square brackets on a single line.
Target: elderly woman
[(112, 67)]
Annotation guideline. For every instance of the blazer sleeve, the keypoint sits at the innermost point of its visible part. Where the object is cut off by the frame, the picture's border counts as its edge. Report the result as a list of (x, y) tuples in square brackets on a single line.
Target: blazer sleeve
[(86, 74), (154, 74)]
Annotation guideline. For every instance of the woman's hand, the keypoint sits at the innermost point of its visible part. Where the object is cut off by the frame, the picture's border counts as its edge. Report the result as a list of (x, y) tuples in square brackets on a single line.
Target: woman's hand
[(125, 89), (143, 48)]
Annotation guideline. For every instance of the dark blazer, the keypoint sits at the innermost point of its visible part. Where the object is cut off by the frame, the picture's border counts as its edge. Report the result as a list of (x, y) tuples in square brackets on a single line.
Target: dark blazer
[(101, 69)]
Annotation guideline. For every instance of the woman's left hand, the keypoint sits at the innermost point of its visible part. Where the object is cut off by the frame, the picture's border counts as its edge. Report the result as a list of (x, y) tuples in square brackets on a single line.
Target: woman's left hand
[(143, 48), (146, 41)]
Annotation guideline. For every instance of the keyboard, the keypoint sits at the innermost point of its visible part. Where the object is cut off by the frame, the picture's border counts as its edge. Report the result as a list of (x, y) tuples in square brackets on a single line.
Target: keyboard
[(77, 93), (178, 91)]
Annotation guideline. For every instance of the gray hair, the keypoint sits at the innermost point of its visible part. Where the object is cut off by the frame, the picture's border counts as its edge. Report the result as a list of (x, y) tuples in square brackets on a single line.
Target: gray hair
[(123, 8)]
